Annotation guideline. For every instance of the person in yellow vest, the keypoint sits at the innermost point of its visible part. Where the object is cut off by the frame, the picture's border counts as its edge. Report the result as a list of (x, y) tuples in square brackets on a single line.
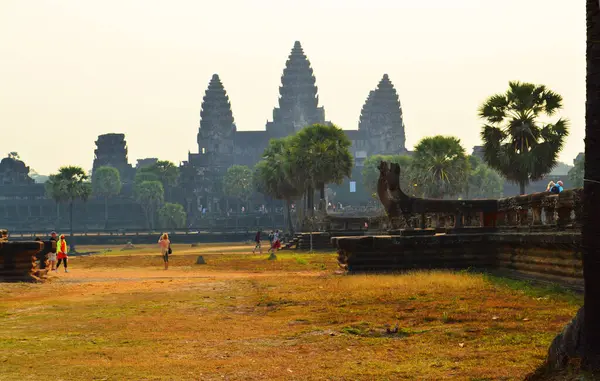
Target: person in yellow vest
[(61, 252)]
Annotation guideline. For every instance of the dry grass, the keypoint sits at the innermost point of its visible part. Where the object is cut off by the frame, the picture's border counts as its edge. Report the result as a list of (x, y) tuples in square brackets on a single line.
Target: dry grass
[(118, 316)]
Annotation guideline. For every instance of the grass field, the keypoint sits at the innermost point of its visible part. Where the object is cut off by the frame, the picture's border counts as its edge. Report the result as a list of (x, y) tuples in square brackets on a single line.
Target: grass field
[(120, 316)]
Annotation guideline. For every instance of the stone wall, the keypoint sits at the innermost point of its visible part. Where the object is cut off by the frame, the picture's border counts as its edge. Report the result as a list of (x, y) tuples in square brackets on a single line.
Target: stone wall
[(548, 257), (536, 236)]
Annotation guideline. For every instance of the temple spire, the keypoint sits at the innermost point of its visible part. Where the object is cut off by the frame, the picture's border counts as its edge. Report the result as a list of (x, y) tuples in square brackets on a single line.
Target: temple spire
[(216, 119), (298, 102), (381, 119)]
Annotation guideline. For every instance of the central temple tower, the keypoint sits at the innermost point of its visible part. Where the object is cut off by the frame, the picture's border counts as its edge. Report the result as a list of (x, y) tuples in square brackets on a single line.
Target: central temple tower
[(298, 101)]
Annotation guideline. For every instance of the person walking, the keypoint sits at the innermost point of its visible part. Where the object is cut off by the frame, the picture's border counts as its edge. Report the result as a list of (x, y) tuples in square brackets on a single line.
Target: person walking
[(165, 248), (52, 252), (257, 240), (276, 242), (62, 249)]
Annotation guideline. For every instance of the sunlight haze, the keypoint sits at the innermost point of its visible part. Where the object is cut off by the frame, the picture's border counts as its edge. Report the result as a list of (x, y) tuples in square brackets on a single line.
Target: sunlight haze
[(74, 69)]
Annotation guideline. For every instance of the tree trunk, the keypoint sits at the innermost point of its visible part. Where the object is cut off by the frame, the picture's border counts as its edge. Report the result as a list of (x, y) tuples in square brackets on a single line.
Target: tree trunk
[(105, 212), (522, 187), (591, 192), (288, 216), (311, 202), (322, 203), (581, 337), (71, 217)]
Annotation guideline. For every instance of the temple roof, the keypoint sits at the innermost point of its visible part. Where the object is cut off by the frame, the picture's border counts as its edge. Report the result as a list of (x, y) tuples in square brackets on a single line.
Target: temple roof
[(216, 112)]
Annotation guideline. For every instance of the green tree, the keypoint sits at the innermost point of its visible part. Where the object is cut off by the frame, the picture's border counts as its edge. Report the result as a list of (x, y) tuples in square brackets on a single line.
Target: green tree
[(237, 183), (516, 143), (576, 173), (69, 185), (483, 182), (440, 166), (271, 175), (172, 215), (150, 194), (164, 171), (370, 173), (320, 154), (106, 183)]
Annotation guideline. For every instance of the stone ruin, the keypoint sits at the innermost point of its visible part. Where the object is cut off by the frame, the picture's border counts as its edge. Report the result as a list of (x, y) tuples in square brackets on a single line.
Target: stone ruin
[(534, 237), (20, 261)]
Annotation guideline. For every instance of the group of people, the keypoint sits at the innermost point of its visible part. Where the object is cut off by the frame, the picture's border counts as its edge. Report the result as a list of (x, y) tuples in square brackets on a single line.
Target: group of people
[(57, 251), (555, 188), (274, 240)]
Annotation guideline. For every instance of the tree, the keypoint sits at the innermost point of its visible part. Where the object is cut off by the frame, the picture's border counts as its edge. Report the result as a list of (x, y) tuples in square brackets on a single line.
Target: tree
[(164, 171), (320, 155), (516, 143), (69, 184), (150, 194), (14, 155), (576, 173), (272, 175), (440, 166), (483, 182), (106, 183), (591, 202), (237, 183), (370, 172), (172, 215)]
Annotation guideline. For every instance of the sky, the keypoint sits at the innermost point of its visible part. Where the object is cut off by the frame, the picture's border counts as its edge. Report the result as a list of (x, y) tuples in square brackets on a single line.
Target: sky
[(71, 70)]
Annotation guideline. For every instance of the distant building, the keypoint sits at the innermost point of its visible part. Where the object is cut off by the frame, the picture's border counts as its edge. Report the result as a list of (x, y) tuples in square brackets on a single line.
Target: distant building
[(111, 151), (220, 144), (144, 163)]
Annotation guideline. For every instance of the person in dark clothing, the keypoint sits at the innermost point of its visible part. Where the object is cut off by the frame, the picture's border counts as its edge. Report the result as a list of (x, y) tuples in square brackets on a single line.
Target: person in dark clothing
[(53, 244), (557, 188), (257, 240)]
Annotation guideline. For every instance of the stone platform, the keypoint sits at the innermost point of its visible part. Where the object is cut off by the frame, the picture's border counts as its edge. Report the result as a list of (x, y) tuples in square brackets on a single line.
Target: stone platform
[(543, 256)]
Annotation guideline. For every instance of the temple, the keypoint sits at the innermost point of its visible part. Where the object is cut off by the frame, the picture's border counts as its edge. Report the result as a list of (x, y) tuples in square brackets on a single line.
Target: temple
[(381, 121), (111, 151), (14, 172), (298, 102), (220, 144)]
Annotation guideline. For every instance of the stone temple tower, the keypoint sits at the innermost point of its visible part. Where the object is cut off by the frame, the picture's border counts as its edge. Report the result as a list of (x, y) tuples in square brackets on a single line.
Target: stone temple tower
[(298, 102), (111, 150), (381, 120), (217, 128)]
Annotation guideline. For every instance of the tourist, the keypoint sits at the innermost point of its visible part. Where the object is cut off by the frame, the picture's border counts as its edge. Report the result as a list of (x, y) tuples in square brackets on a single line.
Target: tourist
[(549, 186), (557, 188), (276, 242), (62, 249), (165, 248), (52, 253), (257, 240)]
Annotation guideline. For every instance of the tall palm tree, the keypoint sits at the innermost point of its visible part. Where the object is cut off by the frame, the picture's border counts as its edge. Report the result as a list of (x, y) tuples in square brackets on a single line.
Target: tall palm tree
[(516, 143), (440, 166), (69, 184), (321, 155), (271, 175)]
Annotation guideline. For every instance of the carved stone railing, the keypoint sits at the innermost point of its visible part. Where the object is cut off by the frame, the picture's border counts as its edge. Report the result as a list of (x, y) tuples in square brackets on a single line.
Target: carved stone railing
[(533, 212)]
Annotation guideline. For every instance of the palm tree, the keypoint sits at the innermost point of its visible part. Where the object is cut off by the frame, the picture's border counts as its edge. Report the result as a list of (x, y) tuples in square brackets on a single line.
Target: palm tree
[(69, 184), (106, 182), (321, 155), (440, 166), (271, 175), (516, 143)]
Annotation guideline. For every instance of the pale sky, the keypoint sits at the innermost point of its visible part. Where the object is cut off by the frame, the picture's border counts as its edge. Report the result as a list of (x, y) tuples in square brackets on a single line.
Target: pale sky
[(71, 70)]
